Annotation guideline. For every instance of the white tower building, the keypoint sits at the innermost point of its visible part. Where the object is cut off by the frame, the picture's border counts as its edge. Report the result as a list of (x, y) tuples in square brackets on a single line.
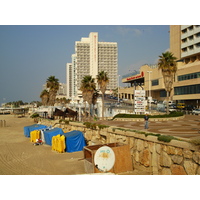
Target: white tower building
[(90, 58)]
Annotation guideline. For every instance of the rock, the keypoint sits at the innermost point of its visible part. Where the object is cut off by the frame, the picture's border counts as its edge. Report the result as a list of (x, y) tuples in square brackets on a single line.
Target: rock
[(137, 156), (145, 157), (196, 157), (187, 153), (177, 159), (198, 171), (158, 148), (170, 150), (190, 167), (140, 145), (165, 160), (166, 171), (177, 170)]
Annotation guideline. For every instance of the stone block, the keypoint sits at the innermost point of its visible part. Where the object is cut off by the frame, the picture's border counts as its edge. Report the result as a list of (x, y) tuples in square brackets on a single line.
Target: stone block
[(171, 150), (166, 171), (177, 159), (177, 170), (165, 160), (196, 157), (140, 145), (187, 153), (158, 148), (190, 167), (145, 157)]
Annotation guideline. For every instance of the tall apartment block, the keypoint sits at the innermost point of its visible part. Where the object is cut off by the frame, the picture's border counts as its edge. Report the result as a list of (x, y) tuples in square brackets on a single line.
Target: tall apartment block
[(185, 44), (91, 57)]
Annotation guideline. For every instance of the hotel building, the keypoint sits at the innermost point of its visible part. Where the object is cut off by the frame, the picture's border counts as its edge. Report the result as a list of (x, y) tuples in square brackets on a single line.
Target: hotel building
[(91, 57), (185, 45)]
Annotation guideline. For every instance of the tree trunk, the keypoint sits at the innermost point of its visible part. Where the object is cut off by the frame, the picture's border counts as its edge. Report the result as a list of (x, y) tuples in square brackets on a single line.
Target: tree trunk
[(102, 106), (167, 102)]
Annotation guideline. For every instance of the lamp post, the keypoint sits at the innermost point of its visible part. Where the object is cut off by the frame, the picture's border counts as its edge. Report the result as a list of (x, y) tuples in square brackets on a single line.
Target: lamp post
[(149, 91), (118, 87)]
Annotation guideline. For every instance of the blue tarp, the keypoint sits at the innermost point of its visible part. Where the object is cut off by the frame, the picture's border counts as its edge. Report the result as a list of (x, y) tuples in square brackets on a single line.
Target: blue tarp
[(28, 129), (75, 141), (50, 133)]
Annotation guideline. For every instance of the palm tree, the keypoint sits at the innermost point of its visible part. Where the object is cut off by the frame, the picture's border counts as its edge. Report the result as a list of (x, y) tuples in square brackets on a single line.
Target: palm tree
[(94, 99), (45, 97), (53, 84), (167, 64), (102, 80), (88, 88)]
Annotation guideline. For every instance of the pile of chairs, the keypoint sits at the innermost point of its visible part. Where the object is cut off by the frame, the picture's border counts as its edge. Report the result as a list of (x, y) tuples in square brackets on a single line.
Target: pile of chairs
[(58, 143)]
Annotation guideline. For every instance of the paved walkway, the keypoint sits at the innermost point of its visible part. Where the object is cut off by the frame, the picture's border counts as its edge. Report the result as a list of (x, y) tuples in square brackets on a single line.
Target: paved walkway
[(188, 127)]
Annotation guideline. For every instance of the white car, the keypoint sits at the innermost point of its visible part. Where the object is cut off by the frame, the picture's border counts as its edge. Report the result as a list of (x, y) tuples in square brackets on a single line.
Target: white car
[(196, 112), (170, 102)]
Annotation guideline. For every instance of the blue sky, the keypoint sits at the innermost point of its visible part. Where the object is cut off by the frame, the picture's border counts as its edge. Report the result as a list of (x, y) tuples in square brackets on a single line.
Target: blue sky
[(30, 54)]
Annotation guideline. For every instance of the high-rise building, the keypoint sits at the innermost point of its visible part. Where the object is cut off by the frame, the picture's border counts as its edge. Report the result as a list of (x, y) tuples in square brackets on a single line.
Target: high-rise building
[(185, 44), (91, 57)]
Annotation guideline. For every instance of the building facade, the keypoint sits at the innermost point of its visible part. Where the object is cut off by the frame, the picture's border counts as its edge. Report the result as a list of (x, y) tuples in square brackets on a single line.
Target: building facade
[(91, 57), (185, 45)]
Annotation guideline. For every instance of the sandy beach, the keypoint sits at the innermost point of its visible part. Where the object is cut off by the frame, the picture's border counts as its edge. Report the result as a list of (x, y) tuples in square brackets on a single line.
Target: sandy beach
[(18, 156)]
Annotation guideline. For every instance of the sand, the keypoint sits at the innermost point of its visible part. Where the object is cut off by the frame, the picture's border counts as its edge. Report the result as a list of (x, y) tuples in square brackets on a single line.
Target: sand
[(18, 156)]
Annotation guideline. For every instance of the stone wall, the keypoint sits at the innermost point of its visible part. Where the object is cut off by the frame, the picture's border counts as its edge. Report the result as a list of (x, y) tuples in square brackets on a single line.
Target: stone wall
[(148, 154)]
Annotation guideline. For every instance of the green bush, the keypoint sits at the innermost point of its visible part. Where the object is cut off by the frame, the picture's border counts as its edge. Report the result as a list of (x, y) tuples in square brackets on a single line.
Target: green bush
[(165, 138), (90, 125)]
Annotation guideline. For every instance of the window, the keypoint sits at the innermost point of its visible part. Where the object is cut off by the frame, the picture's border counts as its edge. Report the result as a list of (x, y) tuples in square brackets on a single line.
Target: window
[(189, 89), (197, 35), (163, 93), (189, 76), (154, 82), (191, 47), (191, 37), (190, 28)]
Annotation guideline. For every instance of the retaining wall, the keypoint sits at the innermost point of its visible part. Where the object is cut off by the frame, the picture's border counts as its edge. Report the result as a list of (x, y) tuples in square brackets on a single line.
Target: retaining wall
[(148, 154)]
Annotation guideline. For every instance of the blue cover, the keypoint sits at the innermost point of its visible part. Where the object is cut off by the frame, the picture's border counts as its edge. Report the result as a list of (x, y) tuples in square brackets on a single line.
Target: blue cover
[(75, 141), (50, 133), (28, 129)]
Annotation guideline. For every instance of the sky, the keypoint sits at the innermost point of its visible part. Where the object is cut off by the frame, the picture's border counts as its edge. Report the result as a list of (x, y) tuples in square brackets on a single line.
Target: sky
[(37, 38), (29, 54)]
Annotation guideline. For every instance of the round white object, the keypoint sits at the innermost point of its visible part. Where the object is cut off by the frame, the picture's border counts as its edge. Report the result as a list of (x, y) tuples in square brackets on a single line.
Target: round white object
[(104, 158)]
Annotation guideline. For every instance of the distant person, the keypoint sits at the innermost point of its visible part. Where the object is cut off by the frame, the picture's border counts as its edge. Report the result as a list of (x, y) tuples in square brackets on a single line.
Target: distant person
[(146, 121)]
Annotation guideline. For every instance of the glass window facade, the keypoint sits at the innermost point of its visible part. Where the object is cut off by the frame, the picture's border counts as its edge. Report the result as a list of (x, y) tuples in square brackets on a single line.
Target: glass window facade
[(189, 76), (189, 89)]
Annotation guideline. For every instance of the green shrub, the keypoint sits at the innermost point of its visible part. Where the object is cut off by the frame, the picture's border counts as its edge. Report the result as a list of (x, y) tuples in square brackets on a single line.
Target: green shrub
[(101, 126), (165, 138), (90, 125)]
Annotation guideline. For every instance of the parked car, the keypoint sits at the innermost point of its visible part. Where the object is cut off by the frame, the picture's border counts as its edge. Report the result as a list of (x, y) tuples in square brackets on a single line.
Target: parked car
[(170, 102), (180, 105), (196, 112), (172, 108)]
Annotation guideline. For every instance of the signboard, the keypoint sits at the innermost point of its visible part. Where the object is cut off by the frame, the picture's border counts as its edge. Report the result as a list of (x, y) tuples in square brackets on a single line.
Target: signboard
[(139, 93), (139, 97)]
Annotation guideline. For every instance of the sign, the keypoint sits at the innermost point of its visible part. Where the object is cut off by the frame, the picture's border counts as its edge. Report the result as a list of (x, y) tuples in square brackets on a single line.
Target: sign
[(139, 97), (135, 77), (139, 93)]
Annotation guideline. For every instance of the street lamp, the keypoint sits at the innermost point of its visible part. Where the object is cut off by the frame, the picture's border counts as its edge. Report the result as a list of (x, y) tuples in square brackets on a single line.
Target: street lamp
[(118, 88), (149, 91)]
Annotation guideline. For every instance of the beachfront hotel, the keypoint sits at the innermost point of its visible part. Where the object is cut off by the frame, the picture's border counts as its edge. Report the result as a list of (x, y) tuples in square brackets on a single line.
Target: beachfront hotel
[(185, 45), (91, 57)]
